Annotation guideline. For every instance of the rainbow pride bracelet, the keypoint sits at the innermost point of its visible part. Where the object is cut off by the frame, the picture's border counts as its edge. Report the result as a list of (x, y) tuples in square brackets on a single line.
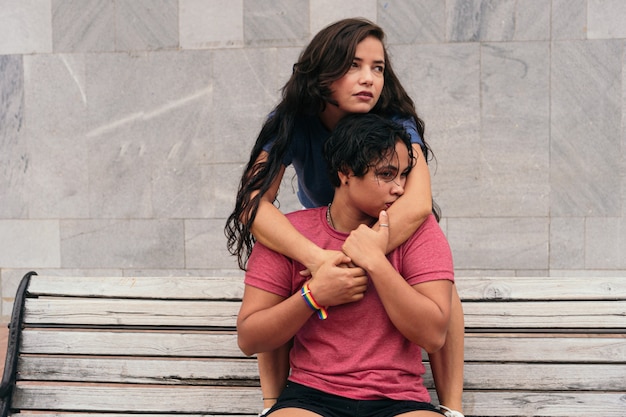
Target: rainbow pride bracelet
[(310, 301)]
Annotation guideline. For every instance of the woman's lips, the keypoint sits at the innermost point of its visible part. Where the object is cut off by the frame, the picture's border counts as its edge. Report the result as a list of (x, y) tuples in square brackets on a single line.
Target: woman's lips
[(364, 95)]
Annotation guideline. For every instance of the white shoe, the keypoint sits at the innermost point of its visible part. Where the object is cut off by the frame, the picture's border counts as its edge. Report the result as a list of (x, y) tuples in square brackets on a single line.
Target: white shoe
[(450, 413)]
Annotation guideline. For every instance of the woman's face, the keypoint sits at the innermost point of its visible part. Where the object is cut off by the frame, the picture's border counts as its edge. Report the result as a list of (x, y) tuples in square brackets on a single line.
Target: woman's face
[(382, 184), (359, 89)]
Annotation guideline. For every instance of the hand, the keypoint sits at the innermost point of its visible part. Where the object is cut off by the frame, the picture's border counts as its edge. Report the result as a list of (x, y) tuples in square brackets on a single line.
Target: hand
[(366, 245), (335, 282)]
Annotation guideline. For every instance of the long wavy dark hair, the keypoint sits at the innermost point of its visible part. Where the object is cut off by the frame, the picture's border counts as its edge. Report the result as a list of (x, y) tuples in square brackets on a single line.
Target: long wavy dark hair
[(327, 58)]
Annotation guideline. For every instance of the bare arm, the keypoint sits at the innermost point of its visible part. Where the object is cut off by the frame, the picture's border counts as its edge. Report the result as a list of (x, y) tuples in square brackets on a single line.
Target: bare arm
[(267, 321), (447, 363), (408, 213), (275, 231), (420, 312), (273, 373)]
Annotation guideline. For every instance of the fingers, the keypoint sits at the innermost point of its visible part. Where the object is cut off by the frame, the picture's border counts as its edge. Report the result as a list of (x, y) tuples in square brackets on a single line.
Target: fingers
[(342, 258), (383, 221)]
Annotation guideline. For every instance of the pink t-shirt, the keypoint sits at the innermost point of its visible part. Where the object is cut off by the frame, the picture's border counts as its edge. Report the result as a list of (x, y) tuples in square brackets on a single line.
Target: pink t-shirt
[(356, 352)]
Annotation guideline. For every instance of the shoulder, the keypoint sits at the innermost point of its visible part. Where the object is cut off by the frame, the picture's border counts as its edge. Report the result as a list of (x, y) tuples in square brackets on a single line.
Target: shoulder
[(409, 124), (427, 255), (429, 239), (305, 217)]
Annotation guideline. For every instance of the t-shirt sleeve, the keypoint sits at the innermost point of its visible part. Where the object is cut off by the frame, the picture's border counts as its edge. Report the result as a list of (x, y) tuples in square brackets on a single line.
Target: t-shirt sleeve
[(269, 271), (409, 124), (427, 255), (288, 157)]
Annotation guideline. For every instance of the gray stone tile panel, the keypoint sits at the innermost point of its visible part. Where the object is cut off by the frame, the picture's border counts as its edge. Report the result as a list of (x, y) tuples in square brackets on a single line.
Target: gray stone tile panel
[(245, 92), (569, 19), (499, 243), (14, 158), (56, 94), (30, 244), (497, 20), (83, 25), (122, 243), (606, 18), (444, 82), (586, 117), (410, 21), (532, 20), (515, 135), (146, 24), (567, 242), (211, 24), (25, 27), (276, 22), (58, 177), (120, 173), (325, 12), (217, 272), (480, 20), (195, 191), (605, 245), (591, 273), (126, 88), (205, 245), (144, 116)]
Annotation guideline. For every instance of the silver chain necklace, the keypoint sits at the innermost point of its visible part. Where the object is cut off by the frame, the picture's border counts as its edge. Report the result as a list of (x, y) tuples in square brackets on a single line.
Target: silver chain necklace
[(329, 218)]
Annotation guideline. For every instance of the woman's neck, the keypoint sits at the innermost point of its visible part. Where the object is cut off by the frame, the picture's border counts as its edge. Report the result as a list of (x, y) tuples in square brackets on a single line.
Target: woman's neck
[(330, 116), (345, 219)]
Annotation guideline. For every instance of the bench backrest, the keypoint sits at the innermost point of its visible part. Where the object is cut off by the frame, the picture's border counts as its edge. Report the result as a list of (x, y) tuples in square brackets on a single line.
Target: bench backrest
[(167, 345)]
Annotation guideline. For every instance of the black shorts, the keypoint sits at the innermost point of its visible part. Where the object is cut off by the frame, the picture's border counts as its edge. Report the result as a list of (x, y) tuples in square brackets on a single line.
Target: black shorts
[(328, 405)]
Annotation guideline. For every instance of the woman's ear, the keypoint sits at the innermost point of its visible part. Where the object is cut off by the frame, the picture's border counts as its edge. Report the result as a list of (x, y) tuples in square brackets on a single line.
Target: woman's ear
[(343, 177)]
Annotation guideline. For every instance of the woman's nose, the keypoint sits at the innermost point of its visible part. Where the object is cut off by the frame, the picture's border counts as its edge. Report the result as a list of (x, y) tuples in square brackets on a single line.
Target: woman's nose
[(366, 76)]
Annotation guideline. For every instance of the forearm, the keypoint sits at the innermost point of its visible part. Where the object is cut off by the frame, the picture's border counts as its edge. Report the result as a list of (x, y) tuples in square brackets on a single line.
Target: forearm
[(447, 363), (275, 231), (420, 318), (273, 373), (272, 327), (408, 213)]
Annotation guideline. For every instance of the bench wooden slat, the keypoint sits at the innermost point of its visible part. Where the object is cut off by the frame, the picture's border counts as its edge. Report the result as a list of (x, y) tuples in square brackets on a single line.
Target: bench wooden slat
[(546, 348), (140, 370), (549, 314), (116, 312), (141, 399), (553, 404), (552, 314), (244, 401), (478, 375), (543, 377), (179, 344), (470, 288), (188, 288), (541, 288), (489, 347)]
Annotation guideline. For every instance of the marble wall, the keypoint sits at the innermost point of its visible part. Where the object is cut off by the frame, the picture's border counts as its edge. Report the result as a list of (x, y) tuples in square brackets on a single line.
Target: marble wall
[(124, 125)]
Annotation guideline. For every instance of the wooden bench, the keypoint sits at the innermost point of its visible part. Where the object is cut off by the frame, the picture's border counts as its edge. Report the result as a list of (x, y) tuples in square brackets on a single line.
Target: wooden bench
[(162, 346)]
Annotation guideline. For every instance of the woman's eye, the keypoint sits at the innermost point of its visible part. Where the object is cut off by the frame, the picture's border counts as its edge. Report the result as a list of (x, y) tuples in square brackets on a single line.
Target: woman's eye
[(379, 68), (387, 175)]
